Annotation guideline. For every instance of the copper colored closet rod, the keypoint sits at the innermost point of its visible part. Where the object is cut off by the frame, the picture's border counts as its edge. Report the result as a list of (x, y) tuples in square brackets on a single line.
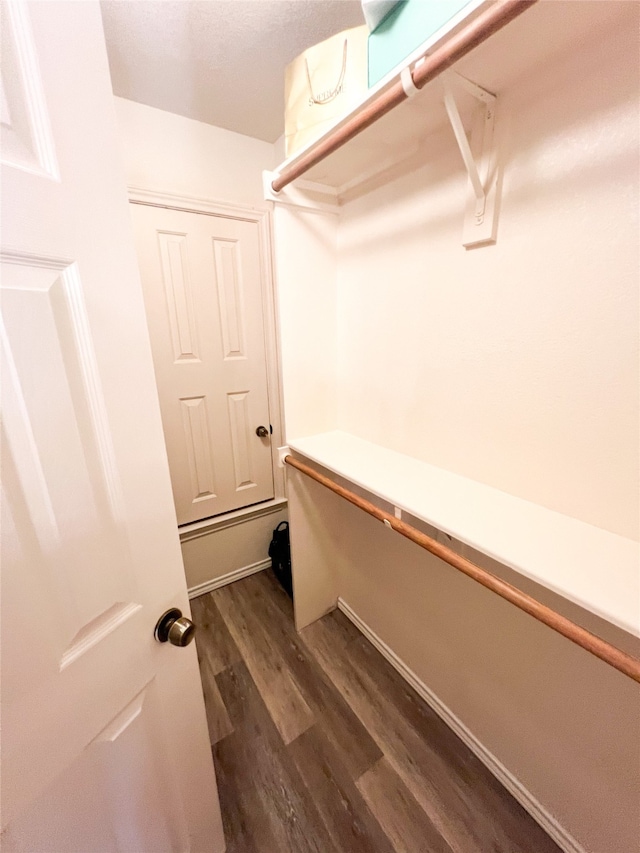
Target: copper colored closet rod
[(473, 34), (615, 657)]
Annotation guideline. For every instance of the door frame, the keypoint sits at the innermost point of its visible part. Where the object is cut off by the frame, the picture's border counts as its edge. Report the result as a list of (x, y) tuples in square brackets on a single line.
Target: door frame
[(262, 217)]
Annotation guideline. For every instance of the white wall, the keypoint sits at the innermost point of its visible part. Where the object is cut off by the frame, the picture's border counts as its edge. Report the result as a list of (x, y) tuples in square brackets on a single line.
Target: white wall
[(305, 248), (237, 544), (516, 365), (168, 152)]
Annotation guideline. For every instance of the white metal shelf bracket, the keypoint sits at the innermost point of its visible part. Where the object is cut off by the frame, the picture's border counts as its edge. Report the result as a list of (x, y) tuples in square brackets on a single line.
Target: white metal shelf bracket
[(480, 160), (305, 195)]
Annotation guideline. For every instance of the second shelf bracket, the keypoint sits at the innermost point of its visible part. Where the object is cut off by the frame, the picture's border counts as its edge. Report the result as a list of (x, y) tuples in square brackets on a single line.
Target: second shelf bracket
[(479, 157)]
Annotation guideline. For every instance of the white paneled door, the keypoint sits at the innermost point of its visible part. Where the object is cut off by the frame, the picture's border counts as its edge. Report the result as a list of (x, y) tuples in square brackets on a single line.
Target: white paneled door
[(202, 277), (104, 741)]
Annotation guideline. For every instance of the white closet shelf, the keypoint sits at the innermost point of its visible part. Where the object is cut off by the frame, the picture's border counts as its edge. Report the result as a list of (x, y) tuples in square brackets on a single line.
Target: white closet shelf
[(525, 46), (587, 565)]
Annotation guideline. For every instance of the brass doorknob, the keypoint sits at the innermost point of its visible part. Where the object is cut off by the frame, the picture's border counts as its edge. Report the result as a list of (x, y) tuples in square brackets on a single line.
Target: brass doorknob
[(175, 628), (262, 432)]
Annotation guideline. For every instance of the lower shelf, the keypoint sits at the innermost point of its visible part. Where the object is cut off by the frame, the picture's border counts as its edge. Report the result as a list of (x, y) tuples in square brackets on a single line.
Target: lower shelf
[(598, 570)]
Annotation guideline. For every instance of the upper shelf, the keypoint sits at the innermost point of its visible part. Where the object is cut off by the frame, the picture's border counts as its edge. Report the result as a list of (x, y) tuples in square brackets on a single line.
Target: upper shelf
[(587, 565), (524, 45)]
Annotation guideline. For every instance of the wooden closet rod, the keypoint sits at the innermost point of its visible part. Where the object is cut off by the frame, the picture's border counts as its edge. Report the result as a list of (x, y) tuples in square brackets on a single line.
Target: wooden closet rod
[(473, 34), (615, 657)]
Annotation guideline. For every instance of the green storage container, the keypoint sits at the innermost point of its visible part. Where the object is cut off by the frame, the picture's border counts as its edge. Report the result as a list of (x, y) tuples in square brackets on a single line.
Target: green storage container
[(405, 28)]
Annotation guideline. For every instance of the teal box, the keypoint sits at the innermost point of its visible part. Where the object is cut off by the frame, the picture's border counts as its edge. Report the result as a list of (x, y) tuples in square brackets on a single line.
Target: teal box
[(404, 29)]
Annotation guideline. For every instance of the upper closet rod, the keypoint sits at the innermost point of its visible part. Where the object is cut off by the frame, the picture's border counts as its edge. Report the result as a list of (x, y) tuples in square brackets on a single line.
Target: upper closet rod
[(484, 26), (615, 657)]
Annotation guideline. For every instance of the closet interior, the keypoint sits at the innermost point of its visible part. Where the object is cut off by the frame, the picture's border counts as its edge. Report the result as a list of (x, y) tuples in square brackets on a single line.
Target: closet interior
[(480, 390)]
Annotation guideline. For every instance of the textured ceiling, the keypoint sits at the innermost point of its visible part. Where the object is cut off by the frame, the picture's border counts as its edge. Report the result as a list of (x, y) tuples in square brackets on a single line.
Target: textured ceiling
[(218, 61)]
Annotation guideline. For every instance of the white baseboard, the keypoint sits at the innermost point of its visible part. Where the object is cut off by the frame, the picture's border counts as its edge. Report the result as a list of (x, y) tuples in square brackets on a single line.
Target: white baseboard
[(223, 580), (537, 811)]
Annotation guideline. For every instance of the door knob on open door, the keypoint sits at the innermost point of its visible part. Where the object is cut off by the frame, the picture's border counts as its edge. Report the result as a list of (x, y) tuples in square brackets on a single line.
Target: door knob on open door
[(175, 628), (262, 432)]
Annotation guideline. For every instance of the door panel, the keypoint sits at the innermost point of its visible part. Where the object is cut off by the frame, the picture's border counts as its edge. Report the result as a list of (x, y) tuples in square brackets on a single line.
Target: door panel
[(88, 808), (202, 279), (94, 755)]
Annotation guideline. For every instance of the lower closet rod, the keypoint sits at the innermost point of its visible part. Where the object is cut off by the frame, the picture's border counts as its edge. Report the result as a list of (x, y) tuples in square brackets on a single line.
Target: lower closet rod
[(615, 657)]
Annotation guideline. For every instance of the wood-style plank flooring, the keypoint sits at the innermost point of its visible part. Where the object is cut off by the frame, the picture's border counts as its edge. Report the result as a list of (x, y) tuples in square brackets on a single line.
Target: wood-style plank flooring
[(319, 745)]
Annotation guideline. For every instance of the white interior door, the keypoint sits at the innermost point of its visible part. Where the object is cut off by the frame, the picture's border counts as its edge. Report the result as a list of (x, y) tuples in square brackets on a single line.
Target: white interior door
[(104, 742), (202, 282)]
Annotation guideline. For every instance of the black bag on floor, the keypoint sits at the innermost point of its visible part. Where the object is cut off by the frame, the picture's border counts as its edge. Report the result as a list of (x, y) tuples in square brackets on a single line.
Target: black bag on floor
[(280, 553)]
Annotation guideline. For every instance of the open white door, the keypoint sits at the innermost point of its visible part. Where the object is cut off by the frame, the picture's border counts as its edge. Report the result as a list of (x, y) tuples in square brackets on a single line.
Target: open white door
[(104, 737)]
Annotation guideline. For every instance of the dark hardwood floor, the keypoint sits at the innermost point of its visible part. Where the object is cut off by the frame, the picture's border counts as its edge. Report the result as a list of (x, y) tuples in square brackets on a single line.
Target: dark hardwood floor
[(319, 745)]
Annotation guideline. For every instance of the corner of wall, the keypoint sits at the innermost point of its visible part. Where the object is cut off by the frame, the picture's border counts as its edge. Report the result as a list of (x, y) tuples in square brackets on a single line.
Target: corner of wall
[(167, 152)]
